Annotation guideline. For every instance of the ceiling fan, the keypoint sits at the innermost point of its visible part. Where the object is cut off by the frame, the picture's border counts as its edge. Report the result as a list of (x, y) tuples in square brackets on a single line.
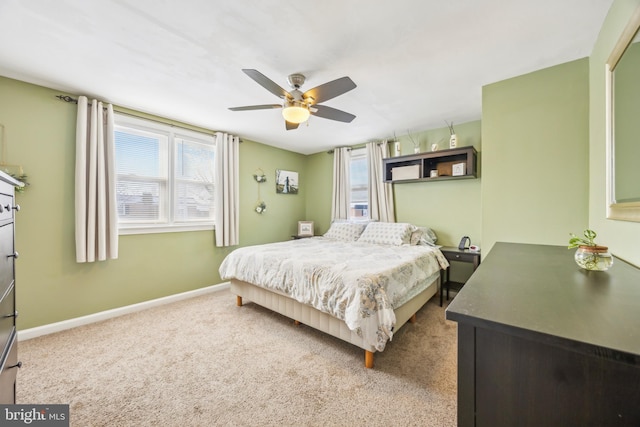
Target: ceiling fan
[(297, 106)]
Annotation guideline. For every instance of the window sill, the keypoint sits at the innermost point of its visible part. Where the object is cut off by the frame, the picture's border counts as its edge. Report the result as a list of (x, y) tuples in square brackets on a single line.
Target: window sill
[(128, 229)]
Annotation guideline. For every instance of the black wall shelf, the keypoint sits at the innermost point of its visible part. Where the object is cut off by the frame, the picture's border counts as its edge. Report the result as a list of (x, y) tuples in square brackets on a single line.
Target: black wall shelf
[(454, 163)]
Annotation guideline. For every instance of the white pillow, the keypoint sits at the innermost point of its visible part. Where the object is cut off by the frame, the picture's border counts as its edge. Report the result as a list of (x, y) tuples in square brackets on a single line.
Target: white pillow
[(423, 236), (387, 233), (345, 231)]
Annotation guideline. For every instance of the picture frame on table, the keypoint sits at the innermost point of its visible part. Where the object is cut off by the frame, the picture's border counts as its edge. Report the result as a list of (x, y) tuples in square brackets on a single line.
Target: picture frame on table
[(305, 228)]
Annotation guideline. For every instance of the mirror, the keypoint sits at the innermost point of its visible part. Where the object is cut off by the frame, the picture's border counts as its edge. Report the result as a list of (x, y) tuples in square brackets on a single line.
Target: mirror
[(623, 124)]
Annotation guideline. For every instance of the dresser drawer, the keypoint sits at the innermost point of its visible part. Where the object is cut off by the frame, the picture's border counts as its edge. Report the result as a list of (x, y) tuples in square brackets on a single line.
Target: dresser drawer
[(6, 260), (6, 201), (463, 257), (9, 374), (7, 317)]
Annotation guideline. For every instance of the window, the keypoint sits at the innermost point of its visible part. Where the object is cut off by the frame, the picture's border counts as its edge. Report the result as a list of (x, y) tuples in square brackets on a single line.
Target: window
[(165, 177), (359, 182)]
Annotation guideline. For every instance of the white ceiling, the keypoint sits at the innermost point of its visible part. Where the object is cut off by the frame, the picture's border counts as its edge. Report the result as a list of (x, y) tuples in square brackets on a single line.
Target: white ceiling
[(416, 63)]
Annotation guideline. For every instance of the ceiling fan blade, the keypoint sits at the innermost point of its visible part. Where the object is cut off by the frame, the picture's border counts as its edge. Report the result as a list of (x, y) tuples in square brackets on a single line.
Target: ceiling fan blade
[(332, 113), (291, 126), (330, 90), (267, 83), (256, 107)]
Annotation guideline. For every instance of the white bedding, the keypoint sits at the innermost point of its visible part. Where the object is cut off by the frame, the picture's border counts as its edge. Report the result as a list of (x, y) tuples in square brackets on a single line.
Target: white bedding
[(360, 283)]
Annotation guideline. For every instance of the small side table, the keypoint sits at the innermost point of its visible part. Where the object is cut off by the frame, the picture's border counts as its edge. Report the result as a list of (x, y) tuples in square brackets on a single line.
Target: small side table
[(455, 254)]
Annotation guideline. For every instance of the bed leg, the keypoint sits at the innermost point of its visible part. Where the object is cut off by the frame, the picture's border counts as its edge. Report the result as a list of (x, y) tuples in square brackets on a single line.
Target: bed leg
[(368, 359), (238, 300), (413, 318), (296, 322)]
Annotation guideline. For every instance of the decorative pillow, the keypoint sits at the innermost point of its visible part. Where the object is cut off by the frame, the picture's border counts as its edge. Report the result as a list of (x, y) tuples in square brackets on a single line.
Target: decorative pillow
[(423, 236), (345, 231), (387, 233)]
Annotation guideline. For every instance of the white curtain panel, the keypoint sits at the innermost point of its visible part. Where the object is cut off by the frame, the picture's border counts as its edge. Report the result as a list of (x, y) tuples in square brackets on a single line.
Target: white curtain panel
[(380, 193), (227, 200), (95, 193), (341, 186)]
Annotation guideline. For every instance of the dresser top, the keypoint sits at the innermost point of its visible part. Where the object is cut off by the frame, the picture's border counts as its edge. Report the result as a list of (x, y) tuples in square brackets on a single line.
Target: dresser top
[(538, 291), (4, 177)]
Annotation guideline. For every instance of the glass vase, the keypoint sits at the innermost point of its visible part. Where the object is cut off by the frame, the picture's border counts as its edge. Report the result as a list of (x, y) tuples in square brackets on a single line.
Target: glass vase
[(593, 258)]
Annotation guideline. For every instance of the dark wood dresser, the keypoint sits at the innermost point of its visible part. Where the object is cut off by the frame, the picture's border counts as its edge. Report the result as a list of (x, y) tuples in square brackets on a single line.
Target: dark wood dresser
[(542, 342), (8, 343)]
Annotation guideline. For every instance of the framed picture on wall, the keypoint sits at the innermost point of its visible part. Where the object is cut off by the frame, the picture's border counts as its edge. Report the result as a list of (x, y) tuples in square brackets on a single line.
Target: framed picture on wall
[(305, 228), (286, 182)]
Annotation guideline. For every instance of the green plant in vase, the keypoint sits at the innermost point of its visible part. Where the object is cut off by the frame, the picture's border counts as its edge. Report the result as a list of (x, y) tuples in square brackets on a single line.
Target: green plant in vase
[(590, 255)]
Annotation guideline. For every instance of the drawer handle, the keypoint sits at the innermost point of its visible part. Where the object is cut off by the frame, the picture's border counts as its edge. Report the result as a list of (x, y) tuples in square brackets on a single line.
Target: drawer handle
[(9, 207), (17, 365), (14, 314), (14, 255)]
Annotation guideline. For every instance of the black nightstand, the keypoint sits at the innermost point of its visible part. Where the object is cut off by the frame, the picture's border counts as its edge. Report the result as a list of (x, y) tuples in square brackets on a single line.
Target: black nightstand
[(455, 254)]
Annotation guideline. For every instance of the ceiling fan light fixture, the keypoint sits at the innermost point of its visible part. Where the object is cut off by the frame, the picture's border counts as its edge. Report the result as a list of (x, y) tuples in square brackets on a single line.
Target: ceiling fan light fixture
[(297, 106), (295, 113)]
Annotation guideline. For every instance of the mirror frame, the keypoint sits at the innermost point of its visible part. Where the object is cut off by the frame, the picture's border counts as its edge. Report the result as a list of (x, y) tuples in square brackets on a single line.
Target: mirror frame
[(621, 211)]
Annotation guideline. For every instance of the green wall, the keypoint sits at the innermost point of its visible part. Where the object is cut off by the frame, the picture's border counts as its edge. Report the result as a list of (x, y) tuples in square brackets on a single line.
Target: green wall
[(320, 187), (535, 156), (280, 220), (450, 208), (51, 286)]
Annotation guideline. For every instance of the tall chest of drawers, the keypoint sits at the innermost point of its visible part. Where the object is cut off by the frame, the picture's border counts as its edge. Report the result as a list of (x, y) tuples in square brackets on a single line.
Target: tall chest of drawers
[(8, 342)]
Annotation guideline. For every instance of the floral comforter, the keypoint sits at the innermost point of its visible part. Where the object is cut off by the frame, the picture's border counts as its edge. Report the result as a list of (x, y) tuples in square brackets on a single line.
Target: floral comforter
[(360, 283)]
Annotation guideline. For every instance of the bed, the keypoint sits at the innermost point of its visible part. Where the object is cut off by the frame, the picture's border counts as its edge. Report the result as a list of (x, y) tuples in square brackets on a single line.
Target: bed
[(359, 282)]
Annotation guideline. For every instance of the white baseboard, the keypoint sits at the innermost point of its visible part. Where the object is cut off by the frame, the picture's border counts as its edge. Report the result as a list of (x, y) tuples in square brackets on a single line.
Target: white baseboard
[(108, 314)]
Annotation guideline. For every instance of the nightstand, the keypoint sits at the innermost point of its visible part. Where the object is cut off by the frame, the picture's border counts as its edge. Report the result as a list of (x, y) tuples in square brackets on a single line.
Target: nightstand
[(455, 254)]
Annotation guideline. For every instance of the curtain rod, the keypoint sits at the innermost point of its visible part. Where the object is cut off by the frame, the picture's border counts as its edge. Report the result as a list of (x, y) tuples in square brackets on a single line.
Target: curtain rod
[(354, 147), (72, 100)]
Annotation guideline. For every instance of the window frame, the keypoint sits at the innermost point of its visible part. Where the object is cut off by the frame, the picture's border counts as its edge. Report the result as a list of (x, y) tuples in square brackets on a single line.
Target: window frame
[(359, 154), (167, 222)]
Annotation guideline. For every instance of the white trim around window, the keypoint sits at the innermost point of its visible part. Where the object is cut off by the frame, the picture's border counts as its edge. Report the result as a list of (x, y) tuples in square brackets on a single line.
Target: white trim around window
[(165, 177)]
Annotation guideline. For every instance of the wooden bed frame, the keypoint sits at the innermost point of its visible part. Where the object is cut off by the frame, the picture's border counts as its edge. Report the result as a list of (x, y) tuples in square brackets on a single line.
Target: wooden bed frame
[(324, 322)]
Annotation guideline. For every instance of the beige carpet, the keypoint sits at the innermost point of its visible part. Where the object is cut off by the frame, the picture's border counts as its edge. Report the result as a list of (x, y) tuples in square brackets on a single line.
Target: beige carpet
[(204, 361)]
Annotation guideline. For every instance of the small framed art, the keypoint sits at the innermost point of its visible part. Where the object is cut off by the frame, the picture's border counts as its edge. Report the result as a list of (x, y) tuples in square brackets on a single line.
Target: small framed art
[(286, 182), (305, 228)]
